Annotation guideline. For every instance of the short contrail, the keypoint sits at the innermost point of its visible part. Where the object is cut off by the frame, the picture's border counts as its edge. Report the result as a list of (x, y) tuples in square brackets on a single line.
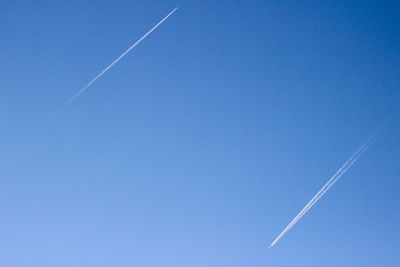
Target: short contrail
[(112, 64), (328, 185)]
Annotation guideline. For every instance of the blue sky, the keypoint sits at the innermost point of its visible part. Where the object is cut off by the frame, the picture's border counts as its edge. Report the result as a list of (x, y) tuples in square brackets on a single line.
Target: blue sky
[(203, 143)]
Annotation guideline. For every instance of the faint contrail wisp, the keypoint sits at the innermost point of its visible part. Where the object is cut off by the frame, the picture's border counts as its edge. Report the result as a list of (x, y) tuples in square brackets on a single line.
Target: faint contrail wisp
[(328, 185), (112, 64)]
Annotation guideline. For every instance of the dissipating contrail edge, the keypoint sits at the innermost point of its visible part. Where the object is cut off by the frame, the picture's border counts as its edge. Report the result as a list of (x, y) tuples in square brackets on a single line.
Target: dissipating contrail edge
[(112, 64)]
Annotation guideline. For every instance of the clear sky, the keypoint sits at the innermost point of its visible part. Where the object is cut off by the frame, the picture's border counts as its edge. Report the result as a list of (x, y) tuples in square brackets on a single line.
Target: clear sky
[(201, 145)]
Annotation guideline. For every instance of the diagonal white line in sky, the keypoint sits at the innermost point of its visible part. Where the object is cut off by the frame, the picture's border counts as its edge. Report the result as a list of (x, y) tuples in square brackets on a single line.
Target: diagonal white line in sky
[(342, 170), (112, 64)]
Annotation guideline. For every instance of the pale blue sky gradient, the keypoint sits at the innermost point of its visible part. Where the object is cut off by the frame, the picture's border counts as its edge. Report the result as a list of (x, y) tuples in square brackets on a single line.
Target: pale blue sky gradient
[(201, 145)]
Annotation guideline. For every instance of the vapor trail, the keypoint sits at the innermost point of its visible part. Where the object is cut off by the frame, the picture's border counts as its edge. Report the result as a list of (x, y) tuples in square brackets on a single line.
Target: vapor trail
[(328, 185), (113, 63)]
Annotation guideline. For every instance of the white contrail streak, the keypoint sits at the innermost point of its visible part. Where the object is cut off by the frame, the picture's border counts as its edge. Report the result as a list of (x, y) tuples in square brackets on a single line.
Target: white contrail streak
[(328, 185), (112, 64)]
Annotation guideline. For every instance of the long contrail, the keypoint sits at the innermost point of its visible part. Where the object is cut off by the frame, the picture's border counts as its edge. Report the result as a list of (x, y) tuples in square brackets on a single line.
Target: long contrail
[(112, 64), (328, 185)]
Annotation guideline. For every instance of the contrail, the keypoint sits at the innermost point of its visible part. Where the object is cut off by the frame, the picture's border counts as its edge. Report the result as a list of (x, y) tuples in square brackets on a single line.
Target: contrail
[(328, 185), (112, 64)]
